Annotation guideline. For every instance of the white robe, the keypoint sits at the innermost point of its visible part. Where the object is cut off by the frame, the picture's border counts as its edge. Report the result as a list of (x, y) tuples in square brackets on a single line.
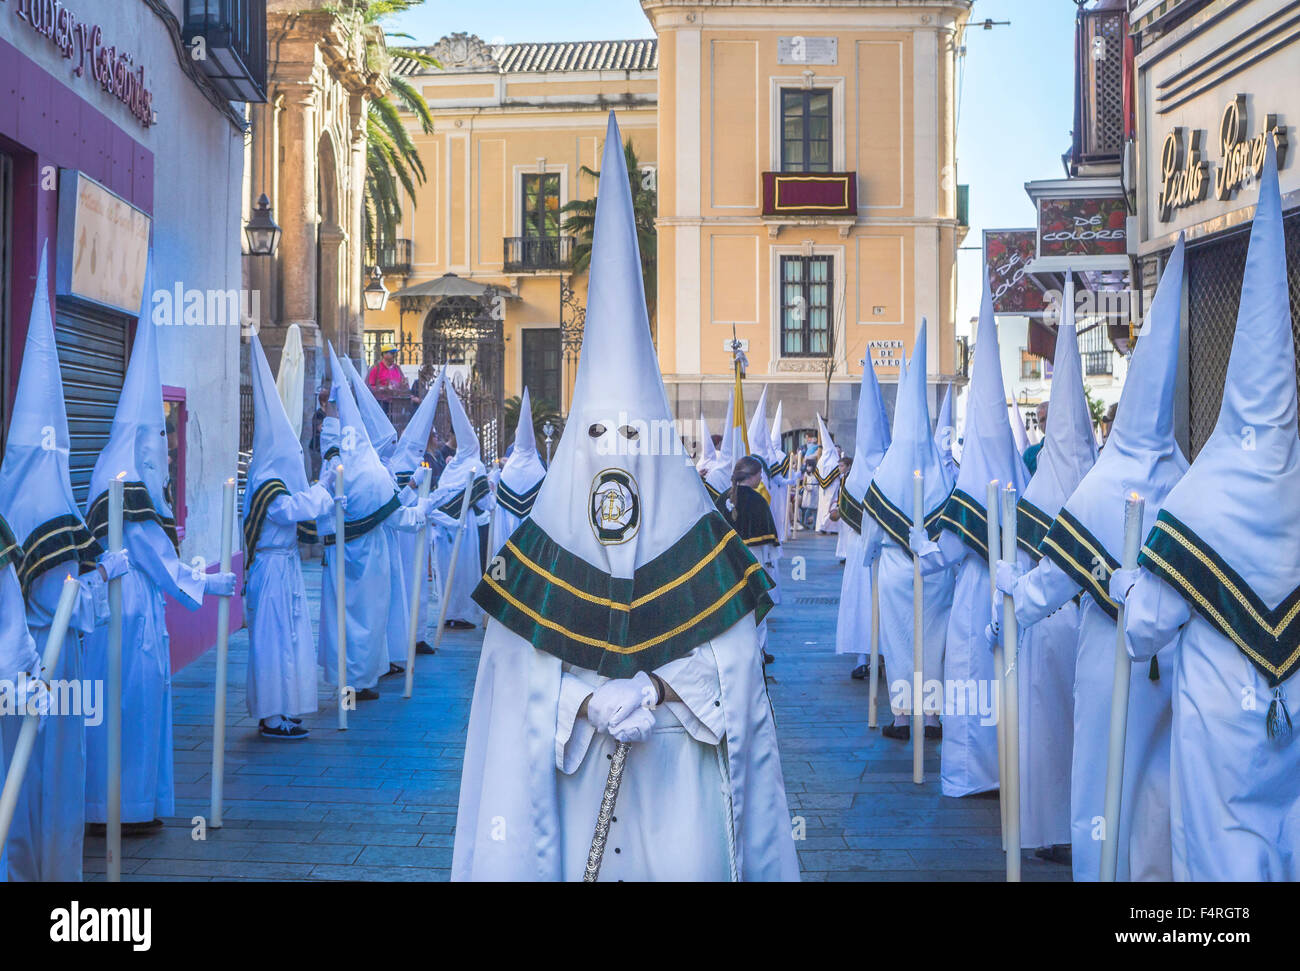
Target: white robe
[(827, 499), (367, 566), (1143, 841), (147, 781), (401, 560), (17, 658), (853, 627), (896, 623), (469, 569), (1234, 792), (281, 648), (702, 799), (969, 754), (49, 825), (1046, 684)]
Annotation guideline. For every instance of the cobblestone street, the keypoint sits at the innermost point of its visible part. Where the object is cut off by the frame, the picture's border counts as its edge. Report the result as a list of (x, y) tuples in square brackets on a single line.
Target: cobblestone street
[(378, 802)]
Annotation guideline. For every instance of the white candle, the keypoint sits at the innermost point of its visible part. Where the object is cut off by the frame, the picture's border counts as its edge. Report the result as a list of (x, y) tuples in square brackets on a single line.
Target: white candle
[(113, 829), (992, 506), (341, 604), (417, 588), (223, 643), (1011, 694), (918, 637)]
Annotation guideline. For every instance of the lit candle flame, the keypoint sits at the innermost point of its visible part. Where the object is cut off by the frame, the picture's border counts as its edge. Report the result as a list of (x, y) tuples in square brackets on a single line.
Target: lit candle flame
[(230, 481), (122, 474)]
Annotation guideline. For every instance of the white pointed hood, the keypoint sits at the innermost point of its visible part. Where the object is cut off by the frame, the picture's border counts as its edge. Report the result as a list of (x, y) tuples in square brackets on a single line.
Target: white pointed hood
[(466, 465), (945, 432), (35, 488), (523, 469), (277, 452), (383, 436), (828, 458), (872, 441), (1141, 455), (633, 562), (1241, 498), (1018, 426), (366, 481), (988, 445), (414, 441), (137, 443), (777, 421), (708, 453), (1069, 447), (911, 448), (760, 436), (289, 380), (718, 474)]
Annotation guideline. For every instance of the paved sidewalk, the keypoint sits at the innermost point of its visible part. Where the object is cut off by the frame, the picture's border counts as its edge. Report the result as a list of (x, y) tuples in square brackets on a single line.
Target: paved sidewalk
[(378, 802)]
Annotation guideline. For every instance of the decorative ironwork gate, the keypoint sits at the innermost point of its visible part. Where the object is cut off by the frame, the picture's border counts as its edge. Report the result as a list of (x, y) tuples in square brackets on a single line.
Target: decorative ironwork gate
[(1214, 273), (462, 330)]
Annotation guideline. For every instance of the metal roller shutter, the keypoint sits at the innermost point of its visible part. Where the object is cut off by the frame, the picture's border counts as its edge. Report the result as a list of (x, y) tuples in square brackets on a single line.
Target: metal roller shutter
[(92, 346)]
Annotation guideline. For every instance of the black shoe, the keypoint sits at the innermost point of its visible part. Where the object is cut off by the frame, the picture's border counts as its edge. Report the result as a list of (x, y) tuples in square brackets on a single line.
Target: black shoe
[(289, 732), (367, 694), (768, 658), (291, 718), (860, 673), (934, 731), (424, 647), (1060, 853), (901, 732), (394, 669), (458, 625), (142, 829)]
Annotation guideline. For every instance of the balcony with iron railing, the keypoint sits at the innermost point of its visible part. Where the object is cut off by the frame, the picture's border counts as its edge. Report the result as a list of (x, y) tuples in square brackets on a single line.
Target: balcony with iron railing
[(394, 256), (233, 39), (532, 254)]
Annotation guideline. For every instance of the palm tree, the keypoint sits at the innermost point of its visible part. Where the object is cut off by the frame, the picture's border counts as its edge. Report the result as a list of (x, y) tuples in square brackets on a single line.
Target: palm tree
[(580, 221), (393, 163)]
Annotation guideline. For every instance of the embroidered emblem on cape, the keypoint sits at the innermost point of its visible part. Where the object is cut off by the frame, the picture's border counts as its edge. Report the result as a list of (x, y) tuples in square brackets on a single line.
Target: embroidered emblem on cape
[(614, 507), (1270, 638)]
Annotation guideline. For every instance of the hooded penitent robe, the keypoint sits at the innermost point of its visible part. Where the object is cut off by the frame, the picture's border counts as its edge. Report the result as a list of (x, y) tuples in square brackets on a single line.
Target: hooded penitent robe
[(782, 473), (281, 649), (401, 544), (761, 448), (889, 502), (368, 560), (18, 658), (828, 479), (464, 471), (623, 567), (1224, 565), (48, 541), (406, 457), (970, 735), (1047, 649), (945, 433), (521, 479), (863, 533), (1080, 551), (137, 451)]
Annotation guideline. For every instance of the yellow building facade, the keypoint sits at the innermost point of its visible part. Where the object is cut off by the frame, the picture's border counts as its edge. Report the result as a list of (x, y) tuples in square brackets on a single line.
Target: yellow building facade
[(808, 202)]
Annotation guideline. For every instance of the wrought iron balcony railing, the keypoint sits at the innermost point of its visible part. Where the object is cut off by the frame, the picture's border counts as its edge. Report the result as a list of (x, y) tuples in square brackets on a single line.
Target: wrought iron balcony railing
[(525, 254), (233, 35), (395, 257)]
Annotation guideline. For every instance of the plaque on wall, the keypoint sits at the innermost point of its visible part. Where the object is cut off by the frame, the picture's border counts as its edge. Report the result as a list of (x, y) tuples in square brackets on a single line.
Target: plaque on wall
[(103, 245), (807, 50)]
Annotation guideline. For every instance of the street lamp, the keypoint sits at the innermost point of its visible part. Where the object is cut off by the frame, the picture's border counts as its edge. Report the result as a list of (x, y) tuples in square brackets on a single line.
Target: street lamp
[(548, 431), (375, 293), (261, 230)]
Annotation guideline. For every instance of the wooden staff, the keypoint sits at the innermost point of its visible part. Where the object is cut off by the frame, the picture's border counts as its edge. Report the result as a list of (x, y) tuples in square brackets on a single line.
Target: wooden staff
[(1133, 509), (992, 506), (918, 638), (417, 588), (223, 644), (341, 600), (31, 722), (1011, 695), (451, 566), (113, 828), (874, 672)]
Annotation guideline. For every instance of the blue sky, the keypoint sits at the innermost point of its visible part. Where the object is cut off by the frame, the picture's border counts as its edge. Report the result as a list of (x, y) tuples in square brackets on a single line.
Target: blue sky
[(1016, 92)]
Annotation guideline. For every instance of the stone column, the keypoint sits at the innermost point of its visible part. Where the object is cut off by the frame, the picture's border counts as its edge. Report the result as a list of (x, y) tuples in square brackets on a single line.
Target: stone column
[(358, 105)]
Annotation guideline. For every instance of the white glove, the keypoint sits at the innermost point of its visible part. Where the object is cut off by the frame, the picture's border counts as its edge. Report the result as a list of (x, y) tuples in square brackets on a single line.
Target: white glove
[(617, 698), (410, 517), (636, 727), (420, 476), (114, 564), (219, 584), (329, 476), (1121, 582), (993, 630), (920, 542), (1006, 576), (35, 699)]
